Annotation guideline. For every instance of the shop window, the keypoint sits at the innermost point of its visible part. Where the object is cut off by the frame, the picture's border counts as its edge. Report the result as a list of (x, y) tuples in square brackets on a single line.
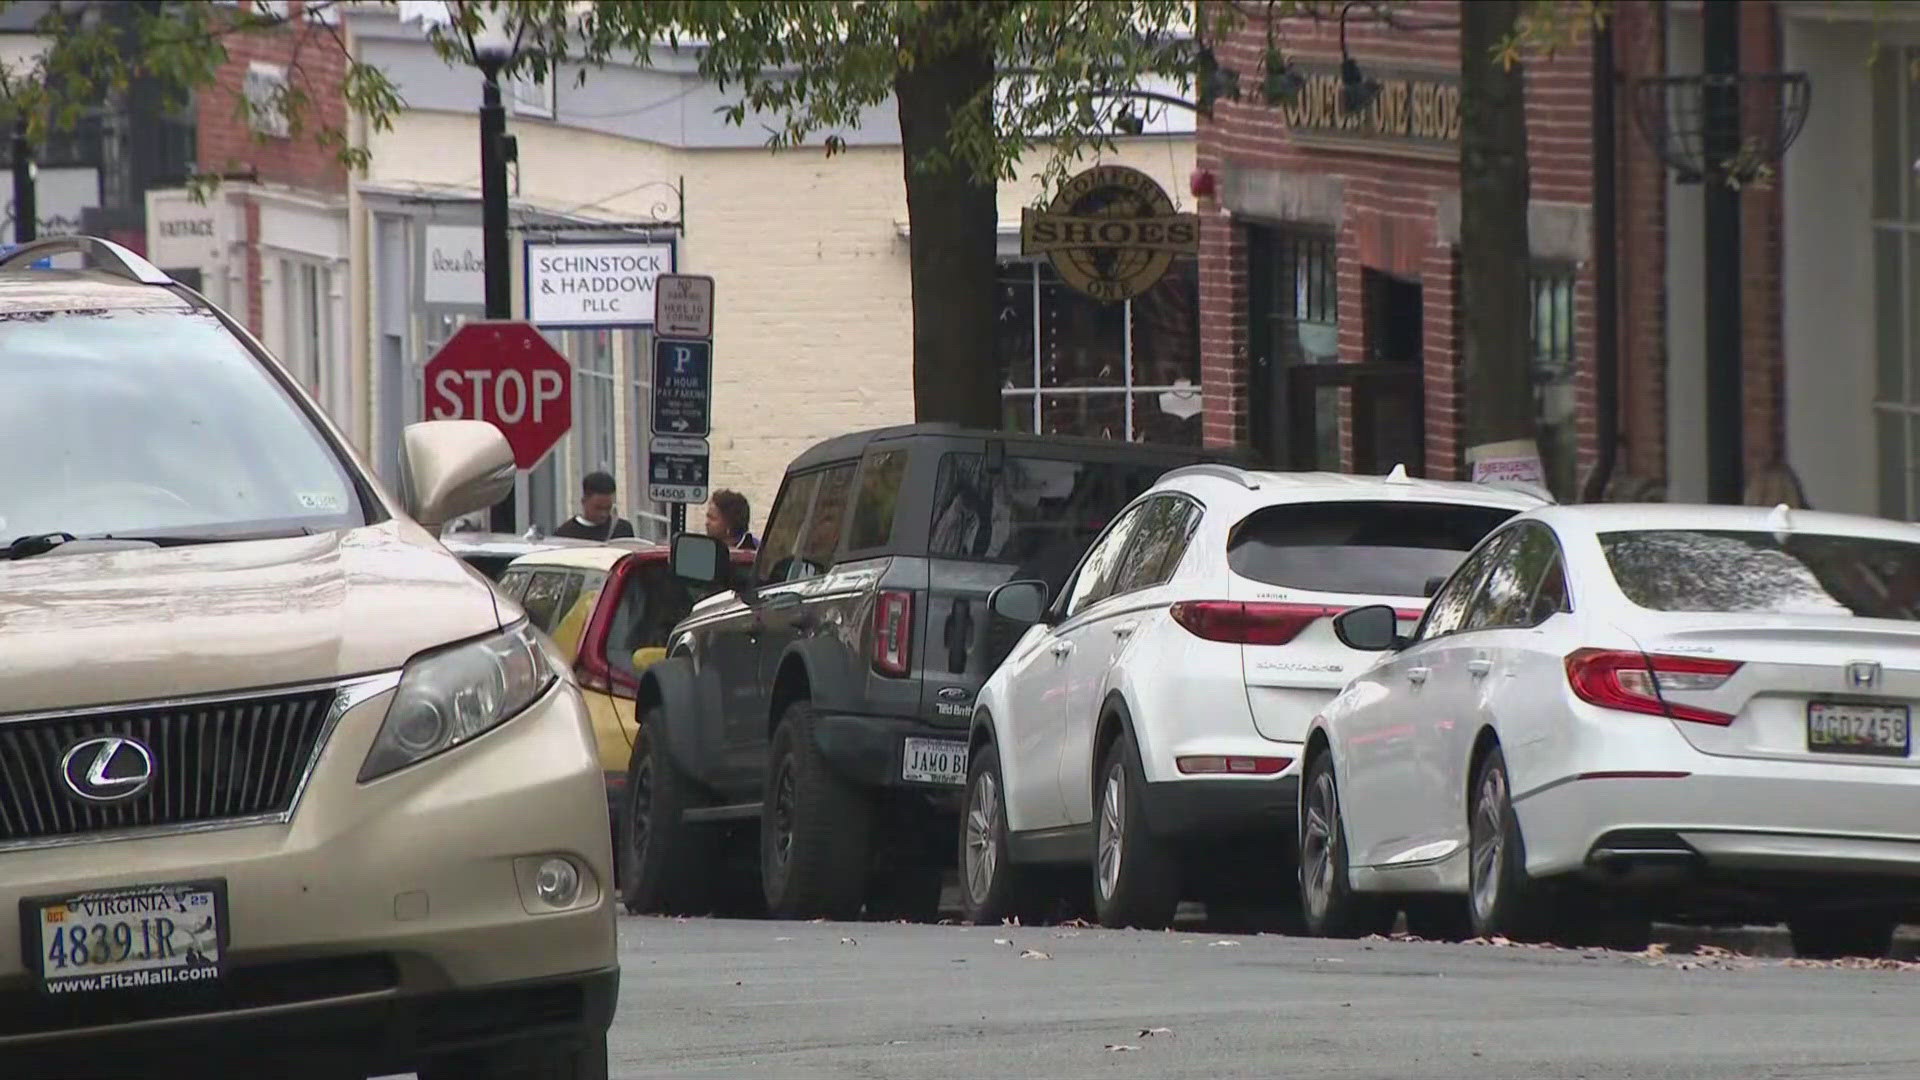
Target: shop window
[(1556, 428), (1071, 365), (1896, 282), (1293, 321), (650, 520), (528, 97), (305, 345)]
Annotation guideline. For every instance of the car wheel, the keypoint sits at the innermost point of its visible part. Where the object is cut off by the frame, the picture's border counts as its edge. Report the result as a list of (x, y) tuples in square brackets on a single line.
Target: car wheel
[(572, 1059), (815, 828), (1501, 900), (992, 888), (1328, 905), (665, 865), (1136, 880), (1835, 935)]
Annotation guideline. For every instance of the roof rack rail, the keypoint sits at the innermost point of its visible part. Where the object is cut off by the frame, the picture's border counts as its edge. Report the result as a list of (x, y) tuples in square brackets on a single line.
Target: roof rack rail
[(1217, 470), (110, 257)]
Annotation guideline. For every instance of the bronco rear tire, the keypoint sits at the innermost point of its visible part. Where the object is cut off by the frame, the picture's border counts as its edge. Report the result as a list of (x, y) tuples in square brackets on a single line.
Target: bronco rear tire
[(816, 830)]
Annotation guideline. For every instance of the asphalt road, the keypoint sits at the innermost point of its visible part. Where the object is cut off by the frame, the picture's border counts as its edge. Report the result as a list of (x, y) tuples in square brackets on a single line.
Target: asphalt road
[(742, 999)]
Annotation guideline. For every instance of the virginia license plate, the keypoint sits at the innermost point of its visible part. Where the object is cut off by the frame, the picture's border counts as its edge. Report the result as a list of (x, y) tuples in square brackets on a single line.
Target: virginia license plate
[(934, 761), (124, 939), (1841, 728)]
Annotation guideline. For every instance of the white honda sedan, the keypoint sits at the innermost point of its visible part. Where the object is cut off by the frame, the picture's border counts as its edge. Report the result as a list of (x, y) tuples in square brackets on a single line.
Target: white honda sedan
[(1149, 724), (1611, 713)]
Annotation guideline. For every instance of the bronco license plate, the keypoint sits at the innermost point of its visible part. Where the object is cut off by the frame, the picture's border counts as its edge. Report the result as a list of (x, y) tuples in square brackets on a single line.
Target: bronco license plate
[(1842, 728), (124, 939), (934, 761)]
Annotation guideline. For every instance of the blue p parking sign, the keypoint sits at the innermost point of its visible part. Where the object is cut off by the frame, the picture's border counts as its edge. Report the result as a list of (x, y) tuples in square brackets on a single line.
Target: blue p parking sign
[(682, 387)]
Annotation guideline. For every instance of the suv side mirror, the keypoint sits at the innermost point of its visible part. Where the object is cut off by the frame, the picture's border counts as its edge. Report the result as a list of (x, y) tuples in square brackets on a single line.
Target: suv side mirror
[(699, 559), (1024, 602), (1375, 628), (449, 468)]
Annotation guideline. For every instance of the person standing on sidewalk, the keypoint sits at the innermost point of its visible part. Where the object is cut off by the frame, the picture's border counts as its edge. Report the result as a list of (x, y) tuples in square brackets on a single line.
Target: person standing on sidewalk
[(596, 520), (727, 519)]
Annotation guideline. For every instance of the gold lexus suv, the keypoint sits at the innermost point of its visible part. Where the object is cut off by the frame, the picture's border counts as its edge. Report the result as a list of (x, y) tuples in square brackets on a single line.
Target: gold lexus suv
[(285, 788)]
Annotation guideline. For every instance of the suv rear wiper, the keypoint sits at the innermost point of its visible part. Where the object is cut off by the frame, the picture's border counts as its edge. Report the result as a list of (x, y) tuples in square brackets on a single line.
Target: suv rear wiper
[(26, 547)]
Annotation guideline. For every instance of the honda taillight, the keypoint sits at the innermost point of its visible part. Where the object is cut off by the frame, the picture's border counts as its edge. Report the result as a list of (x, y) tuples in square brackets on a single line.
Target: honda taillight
[(893, 633), (1638, 682)]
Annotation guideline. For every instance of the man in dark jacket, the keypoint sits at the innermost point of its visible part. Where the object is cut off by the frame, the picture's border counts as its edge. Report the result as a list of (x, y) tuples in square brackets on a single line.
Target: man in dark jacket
[(728, 518), (596, 520)]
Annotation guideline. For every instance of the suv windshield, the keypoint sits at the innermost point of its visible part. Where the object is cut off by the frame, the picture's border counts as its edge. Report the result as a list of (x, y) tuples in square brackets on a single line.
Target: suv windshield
[(1375, 548), (149, 423), (1761, 573), (1039, 514)]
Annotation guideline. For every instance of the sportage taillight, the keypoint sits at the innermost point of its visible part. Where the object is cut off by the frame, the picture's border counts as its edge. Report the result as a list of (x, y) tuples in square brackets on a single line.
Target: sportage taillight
[(1637, 682), (1254, 622), (893, 633)]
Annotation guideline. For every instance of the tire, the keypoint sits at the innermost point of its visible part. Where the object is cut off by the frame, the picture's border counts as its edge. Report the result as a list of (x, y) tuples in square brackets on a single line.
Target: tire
[(1328, 905), (1502, 901), (993, 888), (1842, 934), (665, 864), (816, 830), (1136, 879), (551, 1060)]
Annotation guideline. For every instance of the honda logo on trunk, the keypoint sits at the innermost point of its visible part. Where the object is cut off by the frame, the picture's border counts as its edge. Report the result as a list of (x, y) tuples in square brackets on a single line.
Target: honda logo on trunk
[(1863, 675)]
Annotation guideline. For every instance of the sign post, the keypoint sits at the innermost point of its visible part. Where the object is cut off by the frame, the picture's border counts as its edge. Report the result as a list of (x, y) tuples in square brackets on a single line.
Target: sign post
[(679, 457), (505, 373)]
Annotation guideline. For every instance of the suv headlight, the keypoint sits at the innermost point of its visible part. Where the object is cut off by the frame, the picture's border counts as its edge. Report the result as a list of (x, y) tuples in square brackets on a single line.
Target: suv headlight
[(448, 697)]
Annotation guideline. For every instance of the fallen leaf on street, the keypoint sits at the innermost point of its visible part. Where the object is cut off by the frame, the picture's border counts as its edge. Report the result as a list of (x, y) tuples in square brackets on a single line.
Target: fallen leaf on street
[(1120, 1048), (848, 941), (1148, 1033), (1002, 941), (1034, 954), (1223, 944), (783, 939)]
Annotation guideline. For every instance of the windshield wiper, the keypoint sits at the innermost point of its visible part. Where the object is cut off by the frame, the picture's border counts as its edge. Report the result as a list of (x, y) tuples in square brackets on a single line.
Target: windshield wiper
[(26, 547)]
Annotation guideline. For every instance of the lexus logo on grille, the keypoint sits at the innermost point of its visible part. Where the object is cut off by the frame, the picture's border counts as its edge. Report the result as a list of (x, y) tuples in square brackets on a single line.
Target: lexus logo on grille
[(107, 769), (1863, 675)]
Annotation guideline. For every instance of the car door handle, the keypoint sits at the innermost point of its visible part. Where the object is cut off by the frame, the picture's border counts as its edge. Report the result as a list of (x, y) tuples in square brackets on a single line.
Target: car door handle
[(1125, 629), (1418, 675), (1062, 648), (1479, 666)]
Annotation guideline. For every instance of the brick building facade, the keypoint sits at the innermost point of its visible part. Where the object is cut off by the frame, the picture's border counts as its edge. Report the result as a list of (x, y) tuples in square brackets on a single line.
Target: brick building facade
[(1329, 277), (270, 244)]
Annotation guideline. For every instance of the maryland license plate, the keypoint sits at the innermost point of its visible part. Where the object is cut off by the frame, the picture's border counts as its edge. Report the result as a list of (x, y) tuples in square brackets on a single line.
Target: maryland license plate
[(124, 939), (1841, 728)]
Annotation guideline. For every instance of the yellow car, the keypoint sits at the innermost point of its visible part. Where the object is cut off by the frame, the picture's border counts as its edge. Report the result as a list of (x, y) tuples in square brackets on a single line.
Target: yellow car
[(608, 609)]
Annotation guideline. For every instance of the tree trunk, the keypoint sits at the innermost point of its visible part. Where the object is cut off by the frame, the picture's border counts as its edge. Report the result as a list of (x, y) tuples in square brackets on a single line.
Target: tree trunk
[(953, 217), (1495, 261)]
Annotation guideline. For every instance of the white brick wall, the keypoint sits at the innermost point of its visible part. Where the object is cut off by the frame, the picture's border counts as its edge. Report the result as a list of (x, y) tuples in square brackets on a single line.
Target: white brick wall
[(813, 328)]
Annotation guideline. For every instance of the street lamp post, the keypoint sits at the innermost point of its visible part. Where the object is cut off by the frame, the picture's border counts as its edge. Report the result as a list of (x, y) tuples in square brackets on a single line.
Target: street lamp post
[(491, 56), (26, 215)]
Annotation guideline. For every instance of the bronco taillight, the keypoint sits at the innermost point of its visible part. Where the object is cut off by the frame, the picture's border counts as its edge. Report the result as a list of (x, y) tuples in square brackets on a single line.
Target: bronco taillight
[(893, 633)]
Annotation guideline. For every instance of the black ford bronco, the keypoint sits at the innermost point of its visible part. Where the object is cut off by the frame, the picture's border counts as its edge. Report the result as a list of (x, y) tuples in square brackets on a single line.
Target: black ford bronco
[(819, 705)]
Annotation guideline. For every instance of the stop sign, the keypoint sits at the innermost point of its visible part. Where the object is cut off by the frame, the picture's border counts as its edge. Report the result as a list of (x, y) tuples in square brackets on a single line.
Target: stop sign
[(507, 374)]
